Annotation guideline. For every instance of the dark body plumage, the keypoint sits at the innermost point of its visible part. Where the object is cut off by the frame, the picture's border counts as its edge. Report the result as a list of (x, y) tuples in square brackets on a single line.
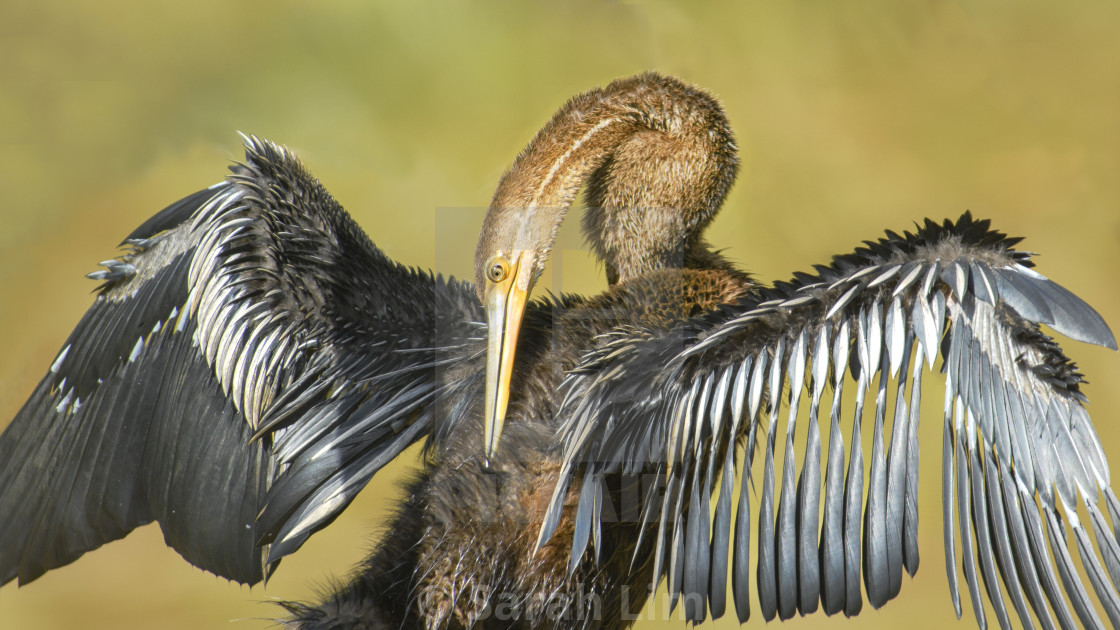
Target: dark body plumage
[(255, 360), (472, 531)]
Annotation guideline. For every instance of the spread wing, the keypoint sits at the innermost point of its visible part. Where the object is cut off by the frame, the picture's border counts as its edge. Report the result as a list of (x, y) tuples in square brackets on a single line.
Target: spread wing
[(1020, 453), (245, 369)]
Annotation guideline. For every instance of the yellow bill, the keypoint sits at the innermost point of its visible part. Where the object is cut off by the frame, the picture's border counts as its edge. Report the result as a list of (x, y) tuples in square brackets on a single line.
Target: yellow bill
[(507, 291)]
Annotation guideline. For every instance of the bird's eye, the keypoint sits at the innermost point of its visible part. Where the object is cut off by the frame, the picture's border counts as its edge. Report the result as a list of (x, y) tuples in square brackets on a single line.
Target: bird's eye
[(497, 269)]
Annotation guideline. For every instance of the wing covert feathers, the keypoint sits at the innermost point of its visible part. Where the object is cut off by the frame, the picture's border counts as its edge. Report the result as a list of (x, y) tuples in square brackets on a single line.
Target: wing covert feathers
[(1020, 454), (247, 366)]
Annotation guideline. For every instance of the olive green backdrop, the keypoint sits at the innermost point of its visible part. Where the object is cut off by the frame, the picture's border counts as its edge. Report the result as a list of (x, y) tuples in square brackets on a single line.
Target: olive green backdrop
[(853, 117)]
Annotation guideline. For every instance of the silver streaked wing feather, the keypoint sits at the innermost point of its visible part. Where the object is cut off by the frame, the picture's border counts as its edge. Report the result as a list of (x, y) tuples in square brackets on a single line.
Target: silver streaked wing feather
[(225, 351), (1014, 415)]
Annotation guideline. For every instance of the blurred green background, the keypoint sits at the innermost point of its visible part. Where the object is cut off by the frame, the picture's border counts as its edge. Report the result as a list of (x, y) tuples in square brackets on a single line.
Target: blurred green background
[(853, 117)]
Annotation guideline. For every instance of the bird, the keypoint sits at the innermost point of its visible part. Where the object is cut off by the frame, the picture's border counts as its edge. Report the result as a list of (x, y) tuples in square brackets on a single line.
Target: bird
[(253, 360)]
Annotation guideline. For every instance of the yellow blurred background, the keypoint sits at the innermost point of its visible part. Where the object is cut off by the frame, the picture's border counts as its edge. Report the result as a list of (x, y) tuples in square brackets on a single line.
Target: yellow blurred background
[(853, 117)]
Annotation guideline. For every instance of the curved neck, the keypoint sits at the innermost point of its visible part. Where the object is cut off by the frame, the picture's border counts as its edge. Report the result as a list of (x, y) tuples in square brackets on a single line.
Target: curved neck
[(657, 158)]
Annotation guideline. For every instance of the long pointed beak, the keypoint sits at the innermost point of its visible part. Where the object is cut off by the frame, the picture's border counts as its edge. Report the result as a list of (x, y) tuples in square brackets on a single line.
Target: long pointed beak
[(505, 305)]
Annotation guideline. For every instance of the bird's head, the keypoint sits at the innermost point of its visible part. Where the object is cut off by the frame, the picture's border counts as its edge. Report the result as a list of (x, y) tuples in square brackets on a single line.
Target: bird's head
[(512, 251)]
